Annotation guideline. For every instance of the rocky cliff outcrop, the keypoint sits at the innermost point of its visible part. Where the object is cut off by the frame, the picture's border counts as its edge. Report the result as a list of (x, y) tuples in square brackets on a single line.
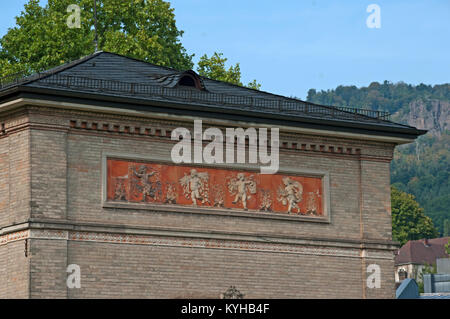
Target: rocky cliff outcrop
[(428, 114)]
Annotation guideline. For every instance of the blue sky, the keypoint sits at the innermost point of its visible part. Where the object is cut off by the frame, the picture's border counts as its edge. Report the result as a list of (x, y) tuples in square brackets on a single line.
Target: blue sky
[(290, 46)]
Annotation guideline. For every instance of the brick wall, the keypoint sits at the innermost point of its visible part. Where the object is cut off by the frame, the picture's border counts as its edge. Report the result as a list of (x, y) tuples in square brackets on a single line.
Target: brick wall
[(131, 271), (4, 182), (14, 271), (49, 175), (14, 206), (15, 178), (66, 188), (85, 189), (48, 268), (376, 199)]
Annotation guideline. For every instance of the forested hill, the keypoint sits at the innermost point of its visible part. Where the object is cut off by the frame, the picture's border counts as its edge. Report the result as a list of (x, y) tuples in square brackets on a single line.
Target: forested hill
[(421, 168)]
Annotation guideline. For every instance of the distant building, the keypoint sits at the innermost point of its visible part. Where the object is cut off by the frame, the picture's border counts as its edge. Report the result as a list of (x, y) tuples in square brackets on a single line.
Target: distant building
[(436, 284), (443, 266), (416, 254)]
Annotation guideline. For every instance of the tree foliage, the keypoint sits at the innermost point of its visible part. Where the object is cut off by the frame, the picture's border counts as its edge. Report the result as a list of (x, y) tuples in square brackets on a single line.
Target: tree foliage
[(385, 96), (408, 219), (446, 232), (141, 29), (214, 68), (421, 168), (427, 269)]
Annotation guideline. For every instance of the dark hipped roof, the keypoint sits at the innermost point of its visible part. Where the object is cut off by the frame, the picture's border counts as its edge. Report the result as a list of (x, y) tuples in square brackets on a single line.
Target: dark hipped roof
[(421, 251), (105, 74)]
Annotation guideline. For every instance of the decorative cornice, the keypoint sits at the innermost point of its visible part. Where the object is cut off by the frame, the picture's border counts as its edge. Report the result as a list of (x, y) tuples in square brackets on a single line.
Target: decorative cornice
[(106, 233), (14, 236), (378, 137), (186, 242), (132, 127)]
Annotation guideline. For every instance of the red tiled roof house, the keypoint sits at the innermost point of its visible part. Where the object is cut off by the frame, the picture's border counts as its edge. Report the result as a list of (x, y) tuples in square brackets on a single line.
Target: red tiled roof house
[(416, 254)]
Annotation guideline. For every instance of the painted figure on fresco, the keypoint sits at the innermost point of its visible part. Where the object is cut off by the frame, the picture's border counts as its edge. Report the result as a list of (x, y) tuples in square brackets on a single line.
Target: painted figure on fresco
[(242, 188), (266, 200), (120, 192), (290, 194), (171, 194), (311, 202), (143, 183), (195, 185), (218, 195)]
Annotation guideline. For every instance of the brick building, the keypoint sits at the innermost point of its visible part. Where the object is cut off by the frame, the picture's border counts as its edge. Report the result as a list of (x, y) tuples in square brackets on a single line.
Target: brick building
[(86, 179)]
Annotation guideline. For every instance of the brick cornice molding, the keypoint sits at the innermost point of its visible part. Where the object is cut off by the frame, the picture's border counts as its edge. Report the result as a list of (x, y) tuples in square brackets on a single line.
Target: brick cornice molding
[(61, 229), (198, 242)]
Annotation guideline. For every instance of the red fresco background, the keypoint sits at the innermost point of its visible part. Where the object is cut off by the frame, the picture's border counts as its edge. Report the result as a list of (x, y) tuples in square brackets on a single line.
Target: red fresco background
[(120, 171)]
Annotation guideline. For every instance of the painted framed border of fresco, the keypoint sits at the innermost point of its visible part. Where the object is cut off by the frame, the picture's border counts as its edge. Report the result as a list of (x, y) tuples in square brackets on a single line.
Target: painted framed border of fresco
[(152, 183)]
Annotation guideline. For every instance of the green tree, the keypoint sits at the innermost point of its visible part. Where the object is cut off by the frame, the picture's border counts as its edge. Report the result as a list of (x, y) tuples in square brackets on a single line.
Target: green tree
[(143, 29), (427, 269), (446, 227), (254, 85), (214, 68), (421, 168), (408, 219)]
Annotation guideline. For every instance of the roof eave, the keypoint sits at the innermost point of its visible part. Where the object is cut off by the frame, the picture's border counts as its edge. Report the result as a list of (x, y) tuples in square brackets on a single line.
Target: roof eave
[(409, 134)]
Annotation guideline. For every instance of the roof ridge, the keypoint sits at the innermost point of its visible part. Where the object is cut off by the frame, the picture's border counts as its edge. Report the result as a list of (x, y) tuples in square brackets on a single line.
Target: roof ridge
[(204, 77), (71, 64), (36, 76), (149, 72), (251, 89), (264, 94), (137, 60), (219, 81)]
